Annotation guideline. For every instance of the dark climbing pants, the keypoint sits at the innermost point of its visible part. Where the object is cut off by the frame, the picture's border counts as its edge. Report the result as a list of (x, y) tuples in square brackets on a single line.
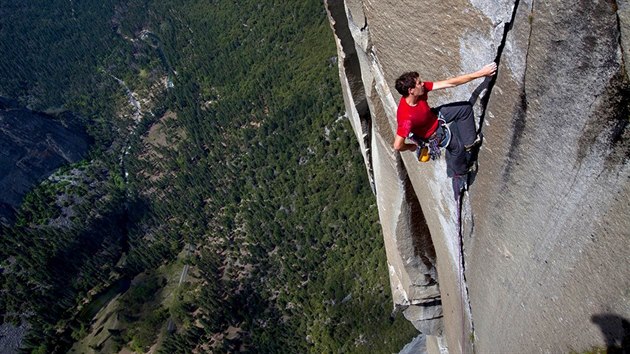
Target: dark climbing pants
[(463, 133)]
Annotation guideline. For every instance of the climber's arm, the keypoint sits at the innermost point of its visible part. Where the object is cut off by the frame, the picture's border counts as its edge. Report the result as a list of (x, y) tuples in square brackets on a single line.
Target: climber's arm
[(487, 70), (401, 145)]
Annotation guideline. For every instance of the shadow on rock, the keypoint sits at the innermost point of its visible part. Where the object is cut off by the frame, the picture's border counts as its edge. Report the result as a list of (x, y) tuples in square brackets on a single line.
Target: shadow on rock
[(475, 96), (616, 332), (474, 152)]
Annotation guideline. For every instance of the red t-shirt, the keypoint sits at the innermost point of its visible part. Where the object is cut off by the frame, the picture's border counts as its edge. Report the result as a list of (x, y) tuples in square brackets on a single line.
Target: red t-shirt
[(418, 119)]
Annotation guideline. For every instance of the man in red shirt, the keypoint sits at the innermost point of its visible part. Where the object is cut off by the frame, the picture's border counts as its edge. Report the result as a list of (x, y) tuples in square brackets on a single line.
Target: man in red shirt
[(420, 124)]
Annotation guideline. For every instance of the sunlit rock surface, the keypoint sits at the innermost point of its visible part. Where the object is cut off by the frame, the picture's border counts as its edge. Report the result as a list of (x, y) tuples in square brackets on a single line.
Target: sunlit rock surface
[(545, 224)]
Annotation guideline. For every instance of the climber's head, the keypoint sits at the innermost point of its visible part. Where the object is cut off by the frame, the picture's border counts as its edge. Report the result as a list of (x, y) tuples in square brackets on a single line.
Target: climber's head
[(407, 82)]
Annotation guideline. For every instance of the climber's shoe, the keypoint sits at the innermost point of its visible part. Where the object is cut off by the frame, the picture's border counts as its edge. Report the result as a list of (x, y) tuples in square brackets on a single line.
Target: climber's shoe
[(474, 145), (460, 184)]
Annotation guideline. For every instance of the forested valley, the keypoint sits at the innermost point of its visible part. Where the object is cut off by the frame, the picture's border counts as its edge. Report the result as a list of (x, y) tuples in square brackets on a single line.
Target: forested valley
[(224, 205)]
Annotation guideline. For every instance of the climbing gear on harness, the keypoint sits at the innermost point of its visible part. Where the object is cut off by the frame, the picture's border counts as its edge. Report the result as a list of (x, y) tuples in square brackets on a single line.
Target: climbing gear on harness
[(431, 148), (422, 153), (434, 148), (446, 131)]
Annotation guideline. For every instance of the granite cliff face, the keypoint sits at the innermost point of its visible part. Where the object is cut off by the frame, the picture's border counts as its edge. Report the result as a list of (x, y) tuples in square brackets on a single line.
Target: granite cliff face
[(534, 257), (32, 146)]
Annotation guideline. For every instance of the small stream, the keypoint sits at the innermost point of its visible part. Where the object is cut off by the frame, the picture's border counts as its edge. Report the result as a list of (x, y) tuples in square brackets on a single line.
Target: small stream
[(137, 114), (101, 300)]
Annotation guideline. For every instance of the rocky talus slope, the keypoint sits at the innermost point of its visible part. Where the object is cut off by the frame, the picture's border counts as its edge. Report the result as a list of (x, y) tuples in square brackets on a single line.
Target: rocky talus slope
[(534, 257)]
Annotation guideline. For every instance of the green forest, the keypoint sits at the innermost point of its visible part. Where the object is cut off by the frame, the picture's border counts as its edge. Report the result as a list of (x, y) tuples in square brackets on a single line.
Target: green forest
[(224, 206)]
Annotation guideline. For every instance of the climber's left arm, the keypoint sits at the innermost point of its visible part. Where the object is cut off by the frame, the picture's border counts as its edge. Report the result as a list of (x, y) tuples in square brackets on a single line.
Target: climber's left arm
[(487, 70)]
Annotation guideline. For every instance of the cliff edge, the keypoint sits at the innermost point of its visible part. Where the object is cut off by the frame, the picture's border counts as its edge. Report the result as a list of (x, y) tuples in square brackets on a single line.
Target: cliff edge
[(32, 146), (533, 256)]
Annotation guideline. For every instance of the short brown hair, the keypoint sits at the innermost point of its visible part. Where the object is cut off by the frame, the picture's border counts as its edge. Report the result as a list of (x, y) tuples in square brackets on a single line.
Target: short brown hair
[(405, 82)]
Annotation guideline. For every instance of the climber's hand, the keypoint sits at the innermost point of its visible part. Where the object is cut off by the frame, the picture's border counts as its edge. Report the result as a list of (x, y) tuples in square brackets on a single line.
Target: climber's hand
[(488, 70)]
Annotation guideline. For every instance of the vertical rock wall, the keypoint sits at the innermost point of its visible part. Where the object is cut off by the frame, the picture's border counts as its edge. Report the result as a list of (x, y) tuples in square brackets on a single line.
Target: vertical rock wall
[(545, 224)]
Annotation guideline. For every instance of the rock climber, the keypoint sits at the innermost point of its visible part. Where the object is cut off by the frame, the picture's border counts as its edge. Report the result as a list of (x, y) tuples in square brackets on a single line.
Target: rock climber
[(420, 125)]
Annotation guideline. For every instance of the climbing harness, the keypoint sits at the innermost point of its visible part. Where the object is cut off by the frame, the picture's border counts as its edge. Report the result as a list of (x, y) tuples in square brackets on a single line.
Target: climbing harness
[(431, 148)]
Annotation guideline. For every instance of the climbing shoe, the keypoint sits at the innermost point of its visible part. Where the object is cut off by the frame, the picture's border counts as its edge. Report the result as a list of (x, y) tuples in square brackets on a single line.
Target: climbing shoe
[(460, 184), (474, 145)]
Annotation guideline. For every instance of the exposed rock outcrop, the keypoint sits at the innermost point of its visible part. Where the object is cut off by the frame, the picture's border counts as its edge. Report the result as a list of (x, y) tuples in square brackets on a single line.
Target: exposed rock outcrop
[(32, 146), (544, 225)]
